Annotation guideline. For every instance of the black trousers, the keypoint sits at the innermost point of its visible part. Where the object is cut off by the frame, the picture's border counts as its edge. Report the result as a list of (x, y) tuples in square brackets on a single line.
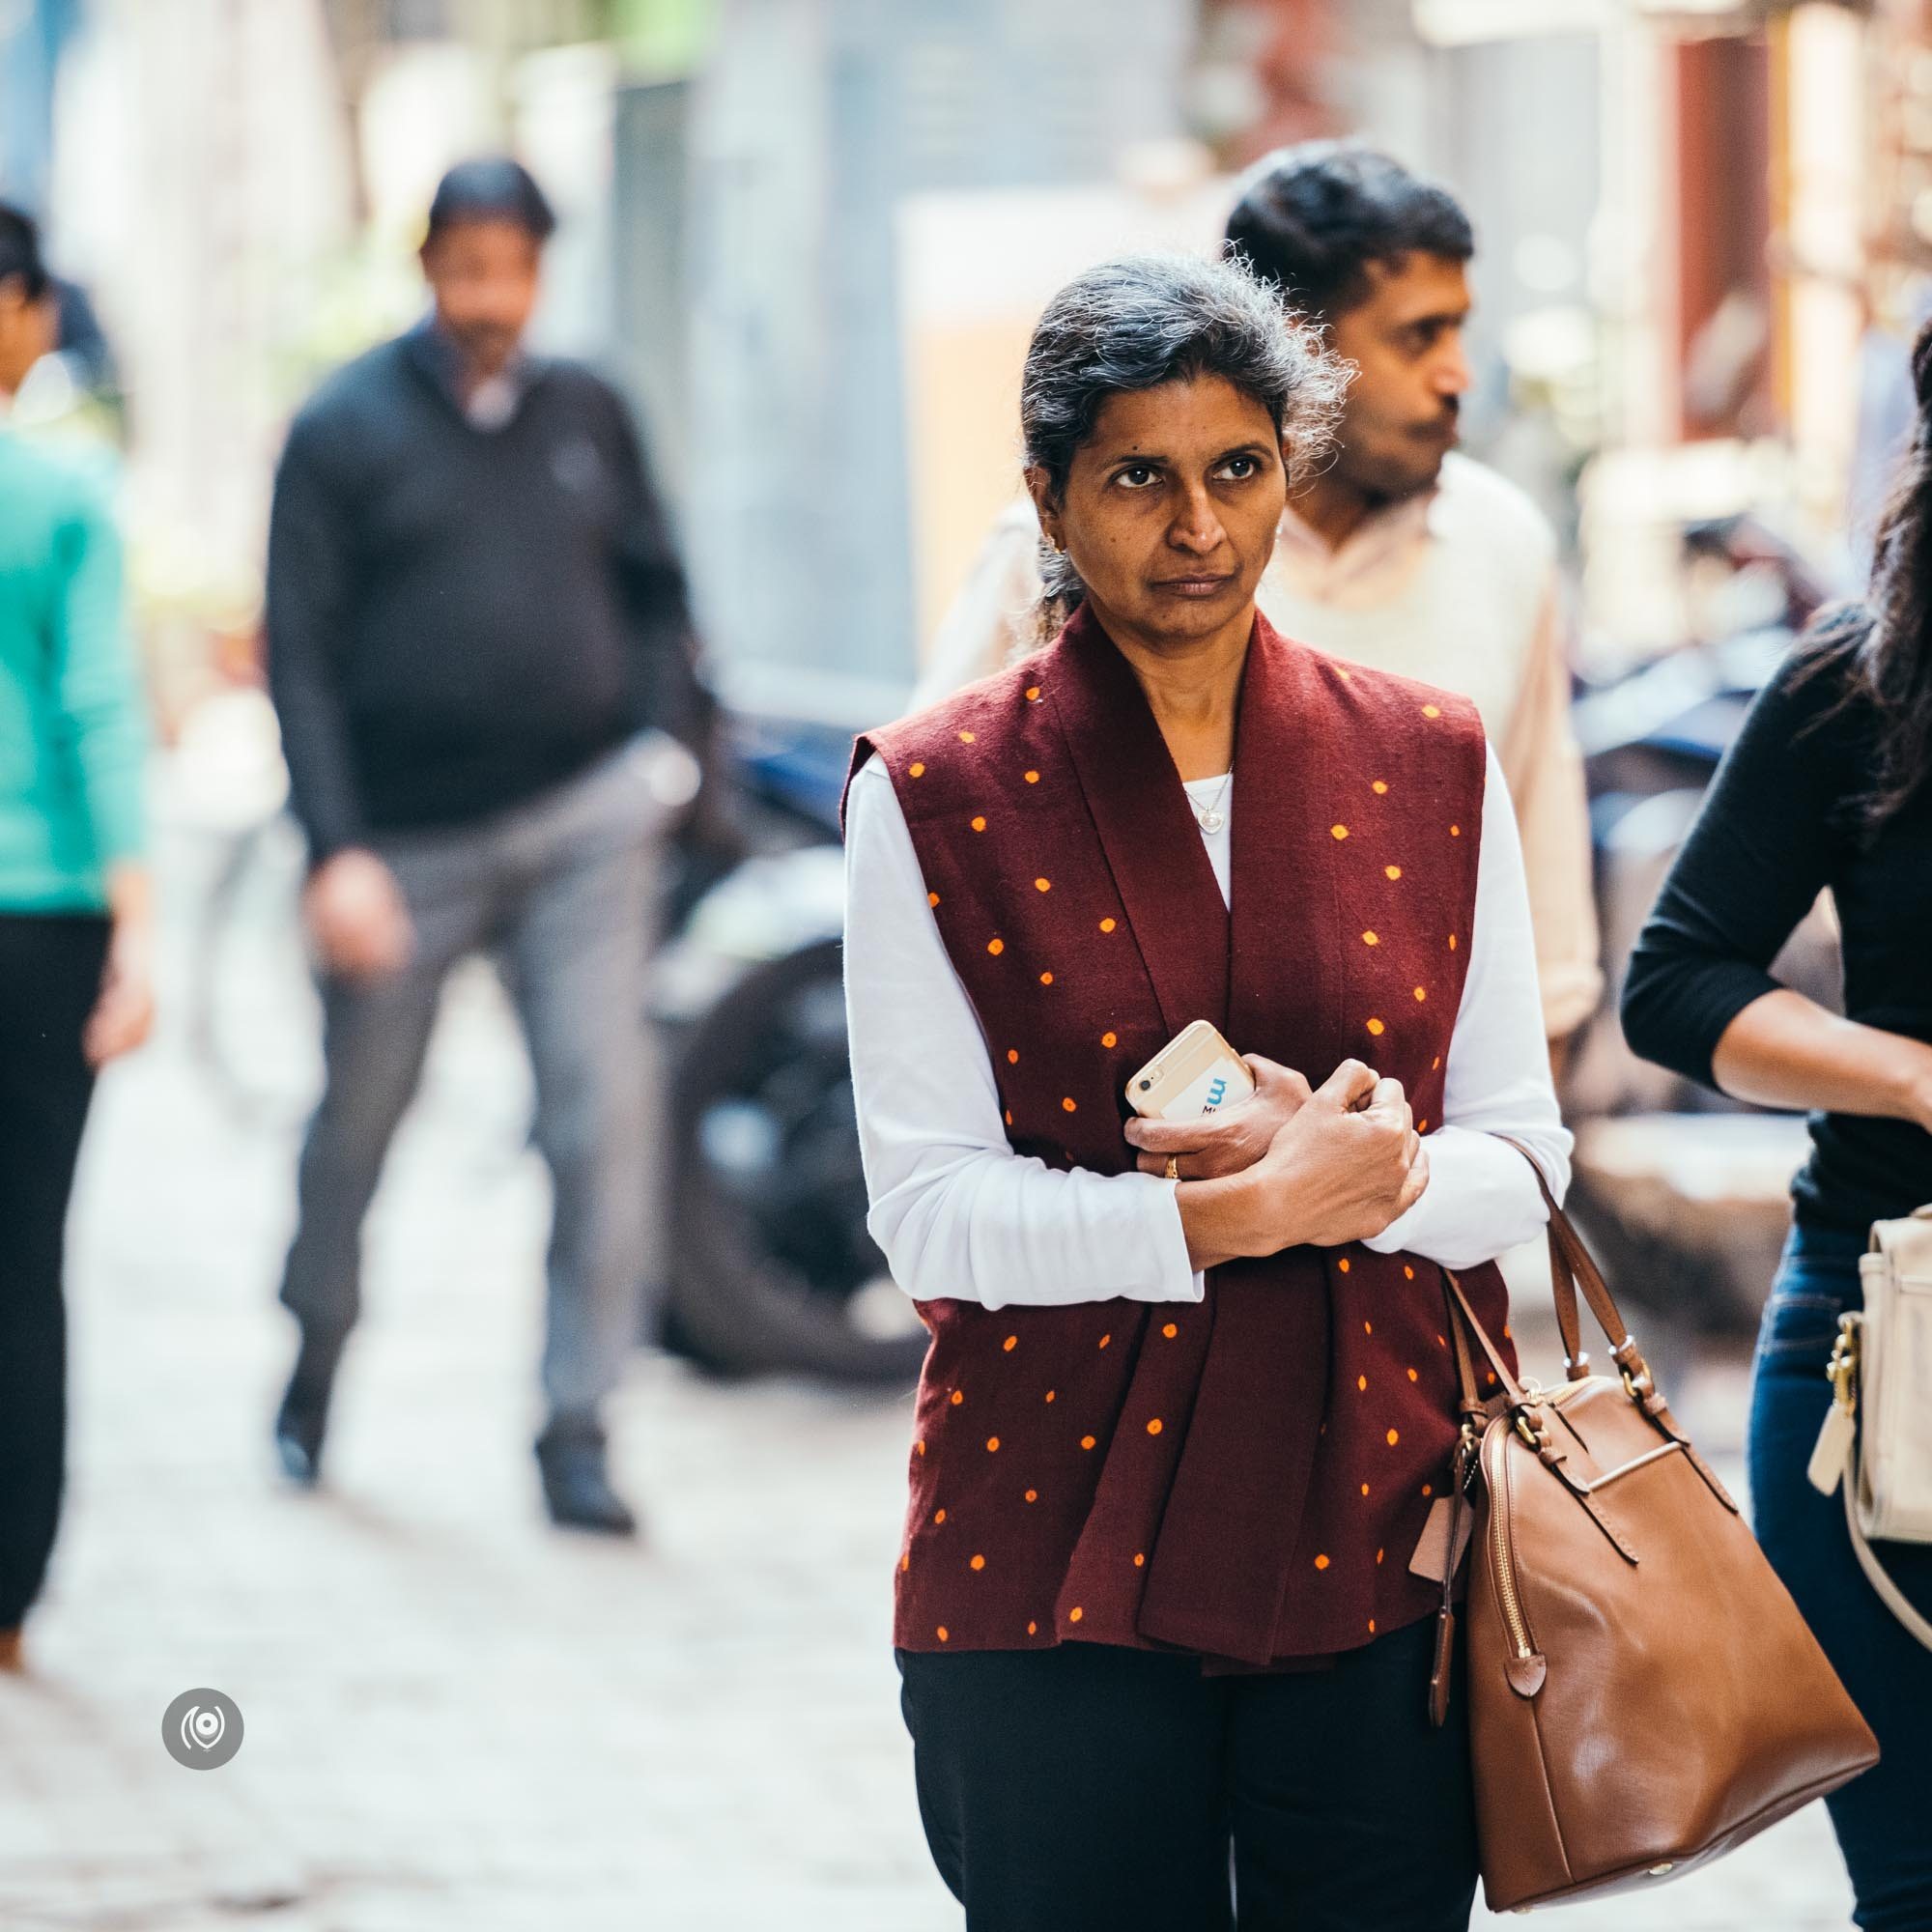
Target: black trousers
[(49, 977), (1096, 1789)]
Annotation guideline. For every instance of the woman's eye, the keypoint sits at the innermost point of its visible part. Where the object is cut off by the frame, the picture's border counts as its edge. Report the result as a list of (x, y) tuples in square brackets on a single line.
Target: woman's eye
[(1238, 469), (1137, 476)]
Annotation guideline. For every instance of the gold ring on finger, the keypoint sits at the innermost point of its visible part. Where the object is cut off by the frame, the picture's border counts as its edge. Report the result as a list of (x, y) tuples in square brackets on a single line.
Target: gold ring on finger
[(1173, 1167)]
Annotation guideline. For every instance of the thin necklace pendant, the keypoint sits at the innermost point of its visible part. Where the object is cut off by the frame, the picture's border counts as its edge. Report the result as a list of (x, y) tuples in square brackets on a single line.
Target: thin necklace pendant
[(1211, 818)]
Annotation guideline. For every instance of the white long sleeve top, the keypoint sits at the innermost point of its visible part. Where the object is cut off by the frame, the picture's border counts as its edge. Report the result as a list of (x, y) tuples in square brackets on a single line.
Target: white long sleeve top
[(960, 1216)]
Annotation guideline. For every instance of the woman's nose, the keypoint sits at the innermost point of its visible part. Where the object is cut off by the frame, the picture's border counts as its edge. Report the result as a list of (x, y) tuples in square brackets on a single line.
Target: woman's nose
[(1195, 526)]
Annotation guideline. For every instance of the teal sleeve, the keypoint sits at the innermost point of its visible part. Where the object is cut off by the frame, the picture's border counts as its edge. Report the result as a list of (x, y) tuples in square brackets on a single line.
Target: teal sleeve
[(97, 685)]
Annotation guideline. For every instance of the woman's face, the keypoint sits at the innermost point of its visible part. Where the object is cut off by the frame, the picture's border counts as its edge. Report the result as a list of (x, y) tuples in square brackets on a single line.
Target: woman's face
[(1171, 509)]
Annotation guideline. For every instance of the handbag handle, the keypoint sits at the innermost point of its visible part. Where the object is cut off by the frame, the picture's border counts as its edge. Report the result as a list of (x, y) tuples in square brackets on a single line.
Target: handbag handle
[(1894, 1598), (1570, 1267)]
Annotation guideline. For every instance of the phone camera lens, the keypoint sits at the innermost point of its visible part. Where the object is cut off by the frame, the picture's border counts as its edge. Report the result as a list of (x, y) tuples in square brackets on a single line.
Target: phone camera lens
[(1145, 1086)]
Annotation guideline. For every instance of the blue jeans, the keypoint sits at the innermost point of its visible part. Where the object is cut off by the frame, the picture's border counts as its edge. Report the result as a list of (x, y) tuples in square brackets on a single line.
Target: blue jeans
[(1883, 1819)]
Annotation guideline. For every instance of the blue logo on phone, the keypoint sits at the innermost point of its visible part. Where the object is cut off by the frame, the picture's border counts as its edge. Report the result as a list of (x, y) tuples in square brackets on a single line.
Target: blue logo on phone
[(1216, 1093)]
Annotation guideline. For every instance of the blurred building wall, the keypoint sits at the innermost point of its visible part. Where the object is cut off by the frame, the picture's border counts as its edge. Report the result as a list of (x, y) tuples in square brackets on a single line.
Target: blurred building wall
[(200, 190), (813, 120), (651, 193), (33, 35), (976, 269)]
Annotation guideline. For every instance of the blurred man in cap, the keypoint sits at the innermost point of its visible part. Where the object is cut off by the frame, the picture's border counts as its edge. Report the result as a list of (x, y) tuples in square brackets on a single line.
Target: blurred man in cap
[(481, 653)]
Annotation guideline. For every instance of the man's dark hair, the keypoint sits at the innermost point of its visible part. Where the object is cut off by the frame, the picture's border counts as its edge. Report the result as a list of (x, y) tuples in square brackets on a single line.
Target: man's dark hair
[(20, 251), (492, 189), (1312, 220)]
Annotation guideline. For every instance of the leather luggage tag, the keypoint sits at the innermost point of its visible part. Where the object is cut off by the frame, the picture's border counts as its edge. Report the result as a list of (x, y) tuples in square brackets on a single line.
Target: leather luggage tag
[(1834, 1450), (1433, 1558)]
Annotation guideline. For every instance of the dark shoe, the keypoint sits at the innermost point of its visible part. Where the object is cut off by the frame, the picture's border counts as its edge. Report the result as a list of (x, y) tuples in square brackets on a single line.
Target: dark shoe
[(577, 1480), (302, 1420)]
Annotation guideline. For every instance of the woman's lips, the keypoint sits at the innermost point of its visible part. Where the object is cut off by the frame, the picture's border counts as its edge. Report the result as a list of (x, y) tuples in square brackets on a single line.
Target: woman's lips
[(1193, 587)]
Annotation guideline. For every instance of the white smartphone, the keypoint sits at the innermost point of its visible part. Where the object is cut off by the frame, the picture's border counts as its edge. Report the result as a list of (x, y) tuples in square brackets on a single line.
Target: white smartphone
[(1196, 1072)]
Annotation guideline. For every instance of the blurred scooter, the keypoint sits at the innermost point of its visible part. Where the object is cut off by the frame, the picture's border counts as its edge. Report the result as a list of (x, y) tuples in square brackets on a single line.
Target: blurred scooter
[(772, 1268)]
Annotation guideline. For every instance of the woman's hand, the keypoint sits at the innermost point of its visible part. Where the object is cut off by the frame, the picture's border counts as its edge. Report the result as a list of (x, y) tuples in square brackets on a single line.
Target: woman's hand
[(123, 1012), (1346, 1164), (1228, 1141), (1342, 1171)]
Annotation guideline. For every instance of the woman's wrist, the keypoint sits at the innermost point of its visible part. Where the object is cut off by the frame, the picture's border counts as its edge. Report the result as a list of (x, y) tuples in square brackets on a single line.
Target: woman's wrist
[(1238, 1216), (130, 893), (1271, 1205)]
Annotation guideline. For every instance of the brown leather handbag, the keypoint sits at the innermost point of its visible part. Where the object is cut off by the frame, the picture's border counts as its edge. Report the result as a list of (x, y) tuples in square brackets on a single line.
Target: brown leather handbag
[(1643, 1693)]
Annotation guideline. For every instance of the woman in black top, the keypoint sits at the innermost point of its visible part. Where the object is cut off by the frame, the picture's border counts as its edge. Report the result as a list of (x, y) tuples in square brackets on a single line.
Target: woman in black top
[(1827, 787)]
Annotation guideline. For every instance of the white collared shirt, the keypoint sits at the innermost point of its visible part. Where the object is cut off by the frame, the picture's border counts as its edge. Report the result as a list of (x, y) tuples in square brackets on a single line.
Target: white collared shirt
[(960, 1216)]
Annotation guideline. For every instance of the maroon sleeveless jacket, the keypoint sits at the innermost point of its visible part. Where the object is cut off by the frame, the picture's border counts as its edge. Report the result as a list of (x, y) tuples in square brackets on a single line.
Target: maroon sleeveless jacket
[(1246, 1478)]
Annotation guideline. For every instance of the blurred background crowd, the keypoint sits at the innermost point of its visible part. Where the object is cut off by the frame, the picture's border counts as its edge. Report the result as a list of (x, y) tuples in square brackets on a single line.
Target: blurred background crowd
[(806, 240)]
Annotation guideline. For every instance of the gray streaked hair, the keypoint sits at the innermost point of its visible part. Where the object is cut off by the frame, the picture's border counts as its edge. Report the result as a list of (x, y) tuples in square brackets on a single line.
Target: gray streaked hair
[(1146, 320)]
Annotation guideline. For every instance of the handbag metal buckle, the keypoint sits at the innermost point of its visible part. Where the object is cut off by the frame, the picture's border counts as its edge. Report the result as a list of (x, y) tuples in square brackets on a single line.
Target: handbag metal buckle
[(1843, 1369), (1466, 1462)]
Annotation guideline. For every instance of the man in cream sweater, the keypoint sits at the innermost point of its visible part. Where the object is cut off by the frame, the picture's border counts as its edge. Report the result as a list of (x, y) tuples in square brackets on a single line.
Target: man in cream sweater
[(1400, 552)]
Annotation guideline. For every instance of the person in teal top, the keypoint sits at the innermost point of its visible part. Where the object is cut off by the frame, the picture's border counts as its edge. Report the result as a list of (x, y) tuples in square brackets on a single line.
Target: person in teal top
[(75, 916), (72, 737)]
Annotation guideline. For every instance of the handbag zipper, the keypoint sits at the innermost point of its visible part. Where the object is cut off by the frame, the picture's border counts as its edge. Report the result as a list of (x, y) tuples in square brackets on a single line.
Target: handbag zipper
[(1527, 1667), (1513, 1616)]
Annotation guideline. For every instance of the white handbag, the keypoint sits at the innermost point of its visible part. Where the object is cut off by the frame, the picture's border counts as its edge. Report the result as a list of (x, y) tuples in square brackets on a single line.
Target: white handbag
[(1877, 1437)]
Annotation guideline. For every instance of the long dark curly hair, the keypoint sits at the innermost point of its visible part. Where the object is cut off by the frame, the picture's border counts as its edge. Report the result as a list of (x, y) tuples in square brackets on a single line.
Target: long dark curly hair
[(1882, 646)]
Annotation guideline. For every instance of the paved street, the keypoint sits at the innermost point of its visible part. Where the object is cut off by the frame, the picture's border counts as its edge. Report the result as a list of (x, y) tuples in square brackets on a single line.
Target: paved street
[(456, 1719)]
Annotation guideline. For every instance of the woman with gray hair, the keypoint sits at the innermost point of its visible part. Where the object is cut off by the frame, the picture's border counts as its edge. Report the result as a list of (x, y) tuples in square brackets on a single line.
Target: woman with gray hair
[(1188, 1403)]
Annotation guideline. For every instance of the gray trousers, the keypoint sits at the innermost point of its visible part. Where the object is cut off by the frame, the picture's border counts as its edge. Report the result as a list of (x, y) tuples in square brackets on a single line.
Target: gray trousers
[(561, 889)]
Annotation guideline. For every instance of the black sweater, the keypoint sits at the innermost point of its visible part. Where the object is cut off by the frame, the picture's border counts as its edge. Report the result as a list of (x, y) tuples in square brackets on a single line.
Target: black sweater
[(461, 617), (1776, 827)]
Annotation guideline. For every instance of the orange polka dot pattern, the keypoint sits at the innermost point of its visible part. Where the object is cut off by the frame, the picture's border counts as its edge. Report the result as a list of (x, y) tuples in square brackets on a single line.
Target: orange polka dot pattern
[(1098, 1510)]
